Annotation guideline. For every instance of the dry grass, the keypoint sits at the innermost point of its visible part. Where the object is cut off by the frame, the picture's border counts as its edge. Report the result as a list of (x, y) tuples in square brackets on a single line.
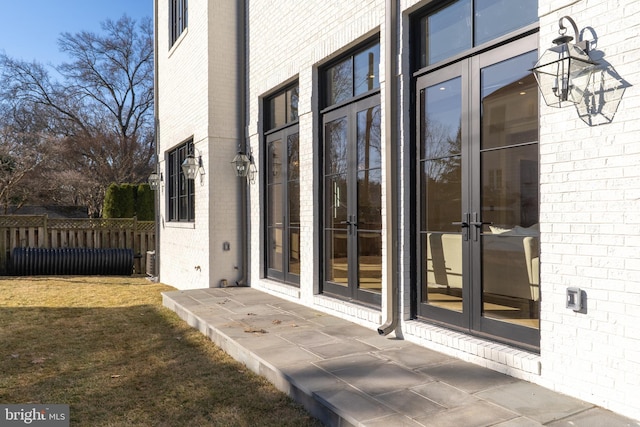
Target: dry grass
[(107, 347)]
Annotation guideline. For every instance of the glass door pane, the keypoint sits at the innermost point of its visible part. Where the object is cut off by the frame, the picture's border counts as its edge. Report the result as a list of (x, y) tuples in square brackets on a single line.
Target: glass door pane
[(275, 214), (336, 202), (293, 205), (369, 208), (509, 192), (442, 230)]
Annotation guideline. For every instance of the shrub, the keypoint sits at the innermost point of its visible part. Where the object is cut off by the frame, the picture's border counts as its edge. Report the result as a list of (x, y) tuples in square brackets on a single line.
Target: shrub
[(145, 203), (127, 201)]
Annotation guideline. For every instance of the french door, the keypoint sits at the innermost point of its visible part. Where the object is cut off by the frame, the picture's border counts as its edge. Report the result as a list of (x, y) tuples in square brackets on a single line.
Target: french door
[(283, 206), (477, 180), (352, 201)]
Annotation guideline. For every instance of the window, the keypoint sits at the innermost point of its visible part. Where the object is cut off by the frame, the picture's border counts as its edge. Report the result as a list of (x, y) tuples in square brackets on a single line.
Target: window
[(177, 19), (181, 193), (352, 177), (476, 157), (282, 108), (463, 24), (353, 76), (282, 240)]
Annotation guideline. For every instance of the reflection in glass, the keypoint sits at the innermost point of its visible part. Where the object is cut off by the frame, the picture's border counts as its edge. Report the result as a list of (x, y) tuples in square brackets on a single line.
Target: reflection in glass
[(274, 163), (274, 257), (282, 205), (339, 82), (366, 70), (369, 138), (353, 76), (292, 104), (336, 257), (277, 111), (283, 108), (442, 274), (509, 102), (336, 146), (446, 32), (441, 181), (452, 29), (494, 18), (370, 261), (441, 119), (441, 202), (294, 250), (509, 186), (369, 186), (293, 162), (510, 260), (370, 200), (293, 200), (369, 172), (336, 201), (440, 147), (274, 212)]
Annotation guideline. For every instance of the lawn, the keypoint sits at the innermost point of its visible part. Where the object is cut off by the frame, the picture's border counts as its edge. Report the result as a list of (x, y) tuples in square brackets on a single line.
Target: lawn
[(107, 347)]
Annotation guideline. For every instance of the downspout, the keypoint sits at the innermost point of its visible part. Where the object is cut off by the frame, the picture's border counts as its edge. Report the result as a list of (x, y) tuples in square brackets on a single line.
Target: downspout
[(156, 132), (242, 141), (390, 157)]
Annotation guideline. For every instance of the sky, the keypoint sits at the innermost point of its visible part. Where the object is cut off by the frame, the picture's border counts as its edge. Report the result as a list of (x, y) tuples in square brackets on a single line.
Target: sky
[(30, 28)]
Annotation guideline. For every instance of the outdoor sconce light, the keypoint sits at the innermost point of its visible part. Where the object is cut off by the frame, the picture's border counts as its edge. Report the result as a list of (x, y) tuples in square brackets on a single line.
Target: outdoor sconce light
[(192, 166), (564, 71), (154, 180), (242, 163)]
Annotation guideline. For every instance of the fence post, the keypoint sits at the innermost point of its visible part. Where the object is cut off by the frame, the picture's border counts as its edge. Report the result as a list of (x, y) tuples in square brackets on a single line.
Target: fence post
[(44, 241)]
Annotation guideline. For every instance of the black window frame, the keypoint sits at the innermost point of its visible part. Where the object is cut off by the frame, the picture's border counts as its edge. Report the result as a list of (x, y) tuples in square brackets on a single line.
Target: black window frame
[(419, 62), (180, 190), (178, 19), (470, 61), (350, 58), (331, 109), (289, 96), (284, 103)]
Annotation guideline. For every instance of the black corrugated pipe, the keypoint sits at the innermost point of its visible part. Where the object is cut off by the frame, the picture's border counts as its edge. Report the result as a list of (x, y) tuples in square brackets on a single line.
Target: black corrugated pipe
[(71, 261), (391, 132), (242, 143)]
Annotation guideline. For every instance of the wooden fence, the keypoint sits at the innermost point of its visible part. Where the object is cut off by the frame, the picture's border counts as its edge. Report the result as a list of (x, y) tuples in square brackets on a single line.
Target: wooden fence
[(40, 231)]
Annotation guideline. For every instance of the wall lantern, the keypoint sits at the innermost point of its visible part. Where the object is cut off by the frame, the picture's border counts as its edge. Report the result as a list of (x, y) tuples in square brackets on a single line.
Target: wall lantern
[(242, 163), (154, 180), (192, 167), (564, 71)]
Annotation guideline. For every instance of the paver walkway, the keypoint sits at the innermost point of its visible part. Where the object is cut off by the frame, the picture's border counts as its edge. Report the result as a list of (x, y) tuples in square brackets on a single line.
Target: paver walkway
[(345, 374)]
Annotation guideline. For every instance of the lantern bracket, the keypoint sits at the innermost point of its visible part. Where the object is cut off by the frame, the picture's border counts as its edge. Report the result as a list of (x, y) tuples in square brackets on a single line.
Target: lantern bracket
[(564, 38)]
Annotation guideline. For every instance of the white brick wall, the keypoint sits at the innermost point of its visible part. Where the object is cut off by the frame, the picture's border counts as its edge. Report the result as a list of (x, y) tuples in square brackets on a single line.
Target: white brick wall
[(288, 40), (197, 97), (590, 206)]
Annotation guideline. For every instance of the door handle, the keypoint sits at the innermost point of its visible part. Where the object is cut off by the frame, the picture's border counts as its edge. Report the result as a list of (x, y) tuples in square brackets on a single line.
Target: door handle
[(478, 224), (465, 221), (461, 223), (351, 222), (465, 226)]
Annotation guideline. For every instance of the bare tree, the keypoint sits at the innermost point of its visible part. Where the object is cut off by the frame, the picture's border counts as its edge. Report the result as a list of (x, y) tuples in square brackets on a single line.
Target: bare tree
[(101, 110), (23, 151)]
